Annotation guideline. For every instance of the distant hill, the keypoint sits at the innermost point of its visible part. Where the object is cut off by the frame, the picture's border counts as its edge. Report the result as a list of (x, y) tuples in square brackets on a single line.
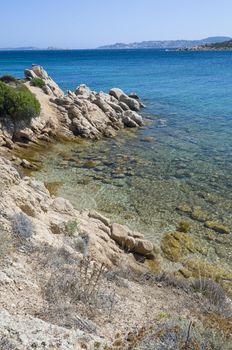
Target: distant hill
[(29, 48), (166, 44), (219, 46), (19, 48)]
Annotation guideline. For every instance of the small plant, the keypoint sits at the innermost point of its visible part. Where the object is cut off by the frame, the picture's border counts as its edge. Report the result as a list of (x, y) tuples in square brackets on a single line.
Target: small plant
[(71, 227), (80, 244), (182, 335), (22, 226), (214, 293), (37, 82), (184, 226)]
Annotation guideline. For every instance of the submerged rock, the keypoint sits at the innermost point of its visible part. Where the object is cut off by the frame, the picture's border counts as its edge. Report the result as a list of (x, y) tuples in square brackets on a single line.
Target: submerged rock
[(177, 245), (216, 226), (199, 214)]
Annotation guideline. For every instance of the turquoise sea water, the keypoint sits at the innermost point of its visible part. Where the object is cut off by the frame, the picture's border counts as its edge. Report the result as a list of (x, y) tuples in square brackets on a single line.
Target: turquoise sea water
[(188, 159)]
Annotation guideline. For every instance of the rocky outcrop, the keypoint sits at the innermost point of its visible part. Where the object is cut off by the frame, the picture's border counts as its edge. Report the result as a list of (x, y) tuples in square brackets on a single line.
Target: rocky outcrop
[(26, 332), (50, 87), (51, 217), (84, 113), (131, 241), (33, 220)]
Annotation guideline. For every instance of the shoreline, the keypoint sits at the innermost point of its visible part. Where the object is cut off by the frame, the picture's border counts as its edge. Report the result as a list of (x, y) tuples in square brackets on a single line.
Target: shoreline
[(56, 225)]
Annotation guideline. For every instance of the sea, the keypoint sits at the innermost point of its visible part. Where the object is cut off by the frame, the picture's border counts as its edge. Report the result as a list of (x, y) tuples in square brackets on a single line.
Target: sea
[(182, 157)]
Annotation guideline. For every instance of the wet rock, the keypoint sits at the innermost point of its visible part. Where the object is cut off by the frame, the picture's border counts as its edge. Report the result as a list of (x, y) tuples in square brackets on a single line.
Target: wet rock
[(199, 214), (134, 95), (117, 93), (27, 165), (130, 102), (118, 175), (148, 139), (201, 268), (184, 208), (137, 98), (216, 226), (176, 245), (132, 119), (91, 164), (183, 226), (53, 187)]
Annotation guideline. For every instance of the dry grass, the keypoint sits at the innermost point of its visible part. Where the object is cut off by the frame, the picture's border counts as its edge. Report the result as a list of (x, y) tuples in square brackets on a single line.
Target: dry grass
[(174, 334)]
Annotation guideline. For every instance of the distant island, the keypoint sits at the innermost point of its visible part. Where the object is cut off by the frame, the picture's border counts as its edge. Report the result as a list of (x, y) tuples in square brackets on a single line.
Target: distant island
[(30, 48), (166, 44), (219, 46)]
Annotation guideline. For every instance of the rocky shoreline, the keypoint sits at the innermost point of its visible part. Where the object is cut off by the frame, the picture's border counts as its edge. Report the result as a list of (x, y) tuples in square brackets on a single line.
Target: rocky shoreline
[(82, 113), (73, 279)]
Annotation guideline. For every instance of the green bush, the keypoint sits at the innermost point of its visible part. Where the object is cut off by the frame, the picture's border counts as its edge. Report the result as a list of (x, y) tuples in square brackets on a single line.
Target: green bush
[(8, 79), (37, 82), (18, 103)]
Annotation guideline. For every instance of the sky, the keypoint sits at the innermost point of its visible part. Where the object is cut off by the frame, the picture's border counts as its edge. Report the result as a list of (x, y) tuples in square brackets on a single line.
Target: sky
[(91, 23)]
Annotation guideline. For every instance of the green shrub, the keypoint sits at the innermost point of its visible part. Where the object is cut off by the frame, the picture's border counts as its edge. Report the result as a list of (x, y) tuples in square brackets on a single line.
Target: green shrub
[(71, 227), (8, 79), (18, 103), (37, 82)]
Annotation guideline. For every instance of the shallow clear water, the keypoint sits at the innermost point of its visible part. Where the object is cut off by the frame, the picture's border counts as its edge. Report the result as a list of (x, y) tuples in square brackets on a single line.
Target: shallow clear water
[(182, 155)]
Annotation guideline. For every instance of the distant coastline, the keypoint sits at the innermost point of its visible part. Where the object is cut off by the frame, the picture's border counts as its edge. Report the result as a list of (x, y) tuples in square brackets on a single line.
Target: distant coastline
[(31, 48), (223, 46), (165, 44), (152, 44)]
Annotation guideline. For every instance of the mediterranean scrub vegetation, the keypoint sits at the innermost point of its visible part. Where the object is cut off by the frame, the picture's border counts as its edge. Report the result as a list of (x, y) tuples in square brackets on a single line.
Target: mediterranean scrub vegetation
[(18, 103), (37, 82)]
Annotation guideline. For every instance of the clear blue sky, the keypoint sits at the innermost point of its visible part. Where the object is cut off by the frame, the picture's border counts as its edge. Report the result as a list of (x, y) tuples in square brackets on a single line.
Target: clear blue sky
[(90, 23)]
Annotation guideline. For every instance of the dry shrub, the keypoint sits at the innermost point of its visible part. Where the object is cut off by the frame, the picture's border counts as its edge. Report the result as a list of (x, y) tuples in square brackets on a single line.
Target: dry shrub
[(22, 226), (183, 335), (169, 280), (6, 343), (215, 295), (79, 287)]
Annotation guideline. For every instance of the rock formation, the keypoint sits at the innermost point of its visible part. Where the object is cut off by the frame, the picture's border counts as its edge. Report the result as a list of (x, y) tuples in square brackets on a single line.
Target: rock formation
[(51, 216), (82, 113)]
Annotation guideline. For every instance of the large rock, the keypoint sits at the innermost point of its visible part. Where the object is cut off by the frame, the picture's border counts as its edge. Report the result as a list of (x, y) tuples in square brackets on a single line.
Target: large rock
[(131, 241), (130, 102), (143, 246), (117, 93), (132, 119), (119, 234), (83, 91), (50, 88), (120, 95), (27, 332)]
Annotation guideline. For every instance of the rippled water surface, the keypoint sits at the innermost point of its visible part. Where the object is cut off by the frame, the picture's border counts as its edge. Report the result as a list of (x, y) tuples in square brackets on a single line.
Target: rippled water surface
[(183, 155)]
